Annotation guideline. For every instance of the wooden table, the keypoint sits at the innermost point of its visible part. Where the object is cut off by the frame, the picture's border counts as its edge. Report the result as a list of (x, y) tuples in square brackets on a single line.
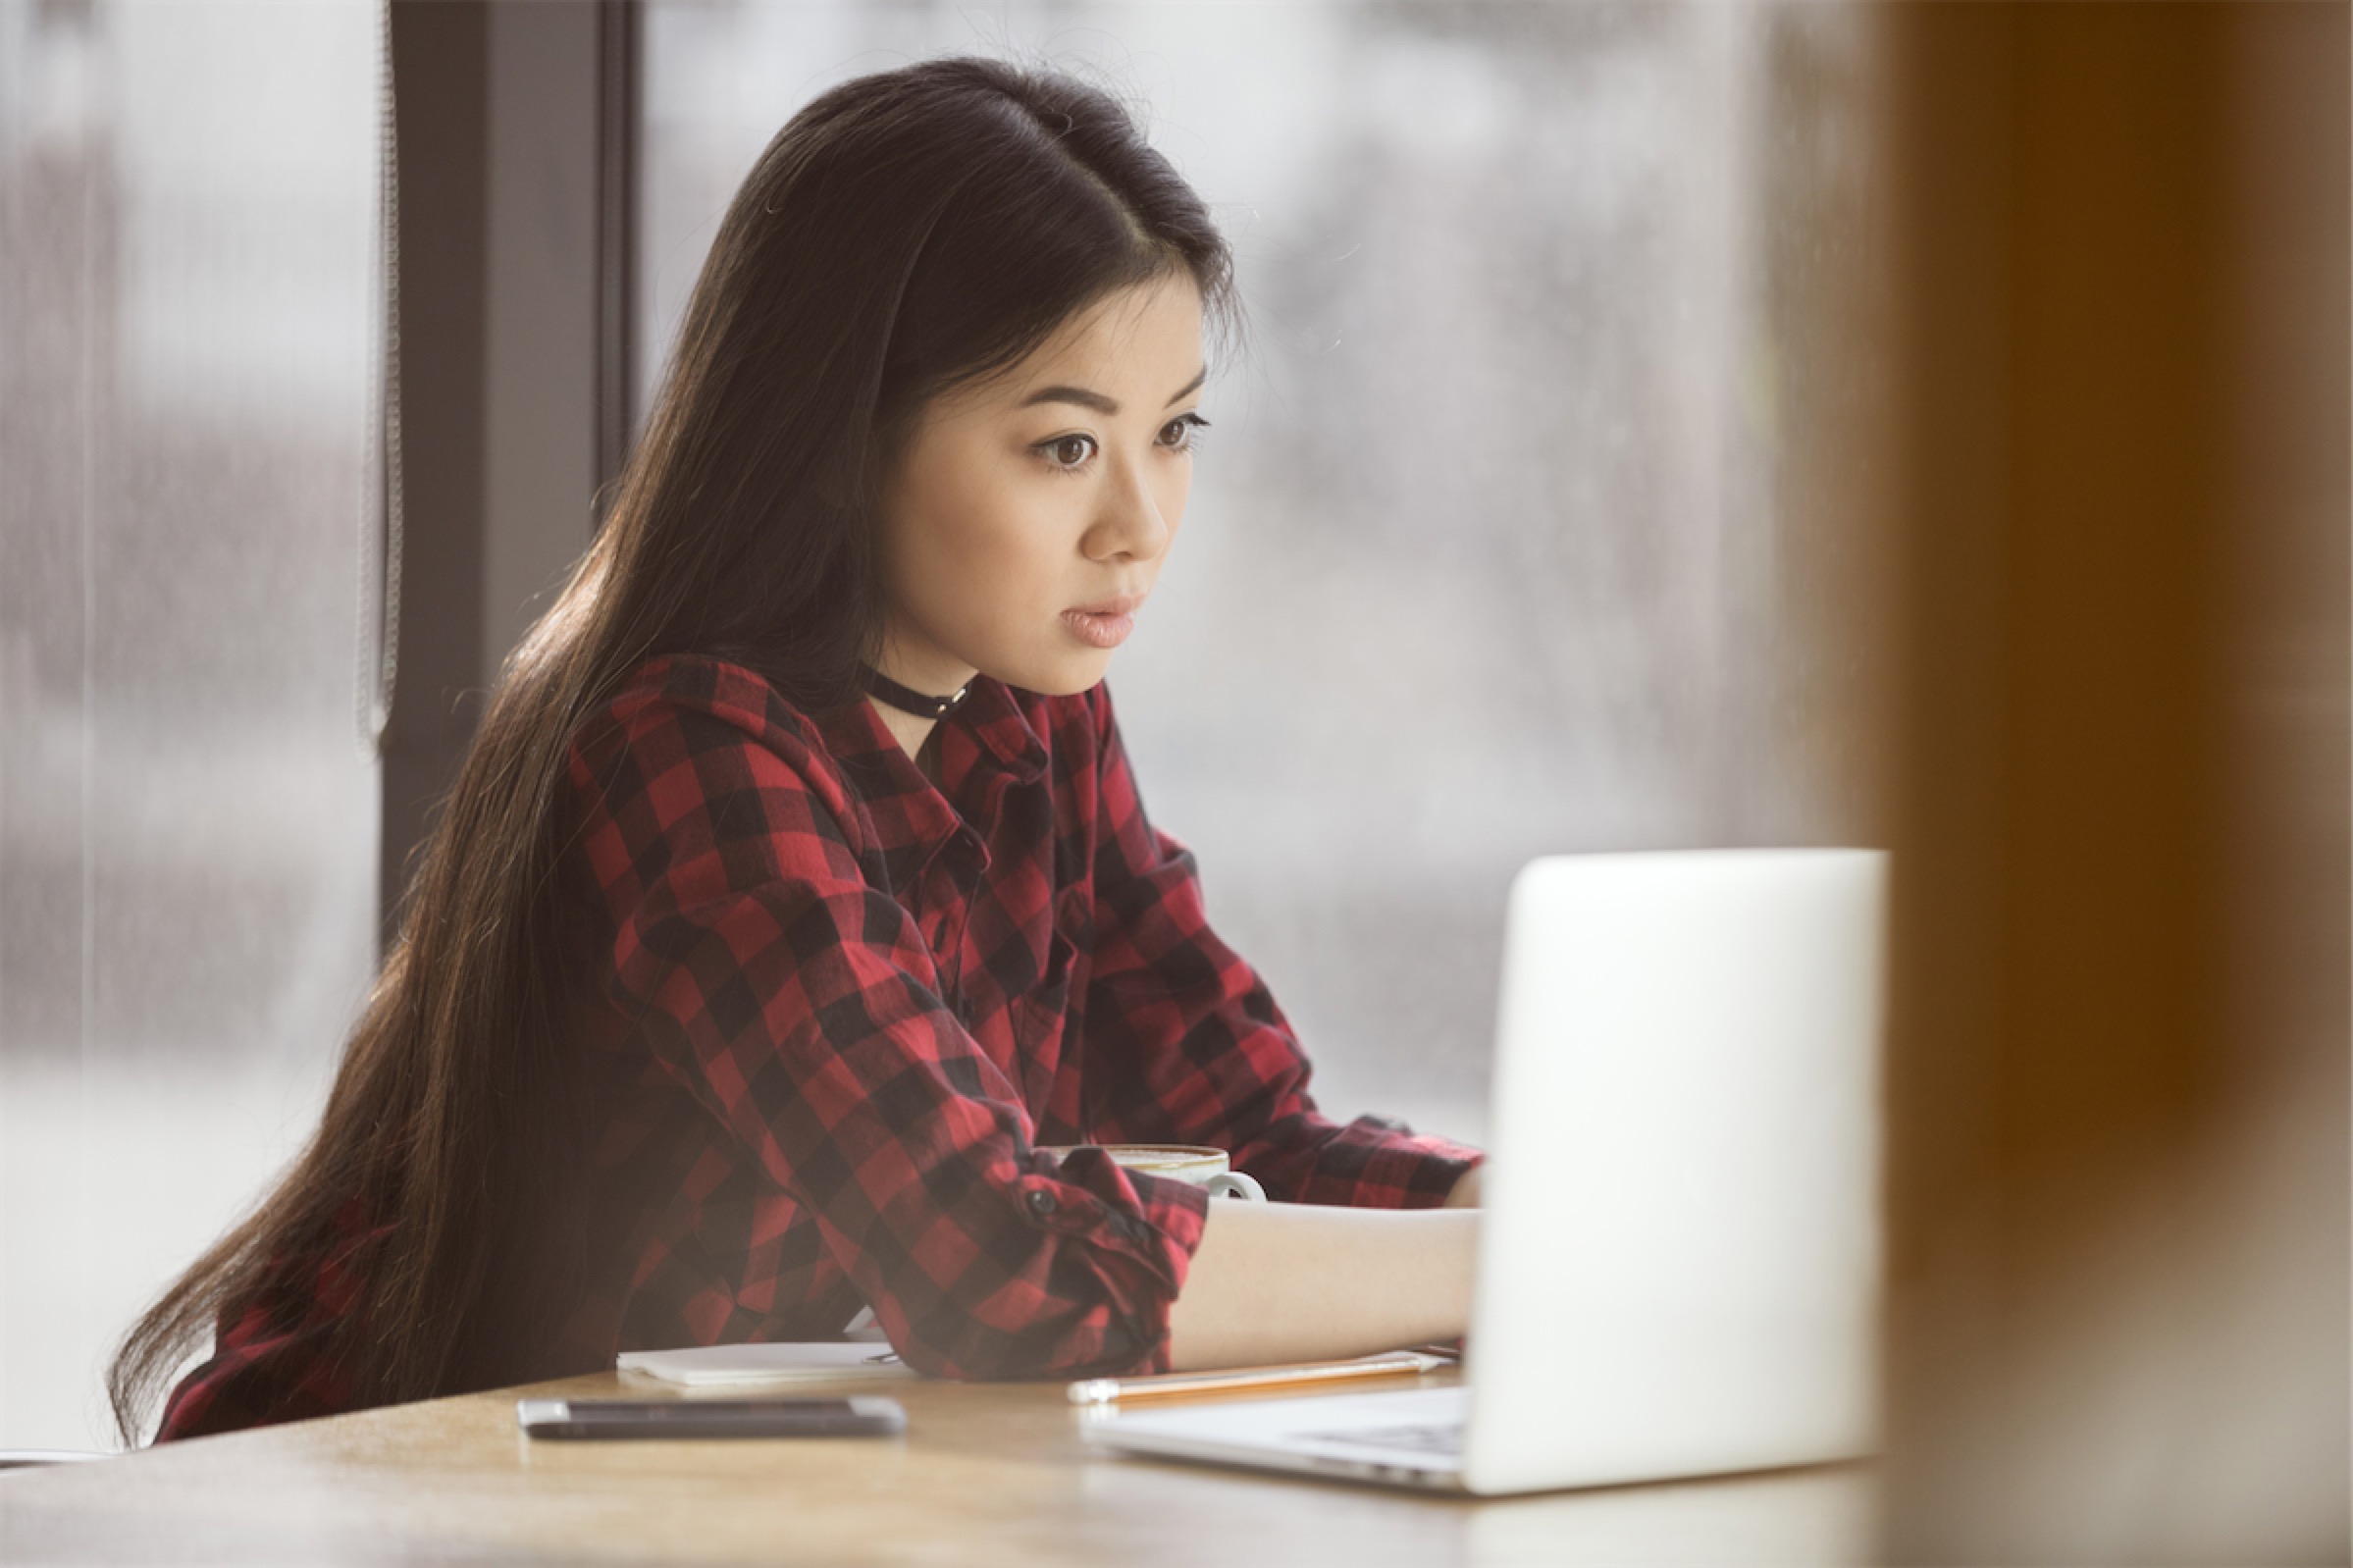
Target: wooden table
[(988, 1473)]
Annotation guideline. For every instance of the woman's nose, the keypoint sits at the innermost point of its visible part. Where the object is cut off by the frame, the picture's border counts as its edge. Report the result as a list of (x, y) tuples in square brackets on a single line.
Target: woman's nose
[(1131, 522)]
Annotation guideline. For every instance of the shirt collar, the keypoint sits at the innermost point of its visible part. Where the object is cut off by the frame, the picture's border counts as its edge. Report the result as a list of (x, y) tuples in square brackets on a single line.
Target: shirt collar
[(1005, 720), (992, 740)]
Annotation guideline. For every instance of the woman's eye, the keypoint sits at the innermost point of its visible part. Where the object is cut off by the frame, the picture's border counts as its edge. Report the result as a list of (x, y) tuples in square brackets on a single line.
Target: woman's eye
[(1184, 432), (1068, 452)]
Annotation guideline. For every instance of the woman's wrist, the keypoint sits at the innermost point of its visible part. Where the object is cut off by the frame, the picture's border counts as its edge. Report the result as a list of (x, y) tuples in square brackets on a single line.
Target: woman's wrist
[(1285, 1282), (1466, 1190)]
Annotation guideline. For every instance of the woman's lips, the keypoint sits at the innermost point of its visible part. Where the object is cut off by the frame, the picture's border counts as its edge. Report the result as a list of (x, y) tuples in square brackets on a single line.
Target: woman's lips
[(1105, 623), (1099, 630)]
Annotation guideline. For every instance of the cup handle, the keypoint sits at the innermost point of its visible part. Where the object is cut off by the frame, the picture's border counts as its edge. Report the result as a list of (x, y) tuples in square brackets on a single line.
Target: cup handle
[(1237, 1185)]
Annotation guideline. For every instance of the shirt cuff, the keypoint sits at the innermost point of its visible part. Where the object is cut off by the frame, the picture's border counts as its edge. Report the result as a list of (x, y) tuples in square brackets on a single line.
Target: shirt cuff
[(1374, 1162), (1154, 1220)]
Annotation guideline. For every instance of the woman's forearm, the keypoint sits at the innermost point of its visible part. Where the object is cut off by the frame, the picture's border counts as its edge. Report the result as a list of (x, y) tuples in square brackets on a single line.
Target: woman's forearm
[(1292, 1281)]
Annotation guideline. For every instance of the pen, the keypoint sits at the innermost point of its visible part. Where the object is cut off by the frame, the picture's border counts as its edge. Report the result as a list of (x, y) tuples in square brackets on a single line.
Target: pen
[(1173, 1385)]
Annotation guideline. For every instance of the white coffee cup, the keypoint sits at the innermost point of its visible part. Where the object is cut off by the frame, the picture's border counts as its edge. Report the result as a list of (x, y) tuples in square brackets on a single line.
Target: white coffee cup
[(1196, 1163)]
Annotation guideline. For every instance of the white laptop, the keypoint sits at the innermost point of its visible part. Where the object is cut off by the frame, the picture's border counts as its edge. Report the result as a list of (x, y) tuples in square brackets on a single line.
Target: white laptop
[(1678, 1258)]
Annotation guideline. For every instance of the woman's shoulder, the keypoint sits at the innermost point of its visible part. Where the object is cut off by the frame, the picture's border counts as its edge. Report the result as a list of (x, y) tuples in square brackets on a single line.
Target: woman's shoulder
[(702, 683), (691, 710)]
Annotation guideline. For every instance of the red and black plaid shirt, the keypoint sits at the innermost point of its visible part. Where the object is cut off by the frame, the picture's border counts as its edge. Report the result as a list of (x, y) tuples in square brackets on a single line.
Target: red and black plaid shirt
[(845, 1007)]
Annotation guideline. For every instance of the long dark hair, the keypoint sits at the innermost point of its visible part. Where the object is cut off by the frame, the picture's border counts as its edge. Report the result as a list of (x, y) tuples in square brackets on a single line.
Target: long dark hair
[(905, 232)]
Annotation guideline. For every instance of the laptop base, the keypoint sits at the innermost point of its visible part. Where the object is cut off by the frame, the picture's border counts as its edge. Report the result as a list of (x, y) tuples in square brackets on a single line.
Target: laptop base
[(1393, 1439)]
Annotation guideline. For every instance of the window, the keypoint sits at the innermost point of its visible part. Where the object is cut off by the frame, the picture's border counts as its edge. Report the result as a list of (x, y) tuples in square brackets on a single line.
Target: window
[(1518, 531), (187, 814)]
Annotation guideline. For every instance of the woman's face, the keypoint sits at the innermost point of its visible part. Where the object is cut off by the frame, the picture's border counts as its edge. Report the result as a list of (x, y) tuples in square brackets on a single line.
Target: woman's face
[(1028, 517)]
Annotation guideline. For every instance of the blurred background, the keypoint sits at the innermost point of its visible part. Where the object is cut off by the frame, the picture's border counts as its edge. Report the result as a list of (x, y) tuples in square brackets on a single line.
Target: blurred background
[(1660, 425), (188, 799)]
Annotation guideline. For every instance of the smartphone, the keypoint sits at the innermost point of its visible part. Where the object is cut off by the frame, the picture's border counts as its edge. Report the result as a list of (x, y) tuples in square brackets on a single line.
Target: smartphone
[(710, 1418)]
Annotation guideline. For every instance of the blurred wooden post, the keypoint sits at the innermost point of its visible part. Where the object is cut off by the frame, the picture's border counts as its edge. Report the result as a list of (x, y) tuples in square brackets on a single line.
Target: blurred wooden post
[(2118, 1303)]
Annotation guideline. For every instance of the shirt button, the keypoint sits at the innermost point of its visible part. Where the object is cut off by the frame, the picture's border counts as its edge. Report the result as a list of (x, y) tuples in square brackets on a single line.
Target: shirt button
[(1041, 1202)]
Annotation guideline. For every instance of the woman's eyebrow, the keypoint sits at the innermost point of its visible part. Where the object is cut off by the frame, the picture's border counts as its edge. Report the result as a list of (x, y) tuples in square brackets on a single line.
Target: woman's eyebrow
[(1086, 398)]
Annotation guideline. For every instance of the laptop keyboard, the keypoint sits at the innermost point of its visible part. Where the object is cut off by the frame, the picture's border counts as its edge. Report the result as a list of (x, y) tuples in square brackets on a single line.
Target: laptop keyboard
[(1437, 1437)]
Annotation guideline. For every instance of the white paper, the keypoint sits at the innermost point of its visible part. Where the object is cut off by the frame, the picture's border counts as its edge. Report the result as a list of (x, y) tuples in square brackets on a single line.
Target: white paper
[(714, 1366)]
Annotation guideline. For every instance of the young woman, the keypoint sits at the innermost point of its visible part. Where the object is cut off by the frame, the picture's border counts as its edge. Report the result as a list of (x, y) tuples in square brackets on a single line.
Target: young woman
[(795, 892)]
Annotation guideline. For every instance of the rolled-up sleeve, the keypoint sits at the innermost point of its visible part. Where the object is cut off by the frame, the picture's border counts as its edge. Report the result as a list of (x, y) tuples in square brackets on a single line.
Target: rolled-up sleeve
[(1185, 1043), (800, 1005)]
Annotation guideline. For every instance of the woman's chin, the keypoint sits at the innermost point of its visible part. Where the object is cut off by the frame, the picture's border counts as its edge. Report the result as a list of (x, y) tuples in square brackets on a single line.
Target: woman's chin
[(1063, 675)]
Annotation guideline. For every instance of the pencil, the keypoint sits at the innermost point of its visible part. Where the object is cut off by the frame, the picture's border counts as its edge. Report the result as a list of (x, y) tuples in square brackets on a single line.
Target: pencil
[(1174, 1384)]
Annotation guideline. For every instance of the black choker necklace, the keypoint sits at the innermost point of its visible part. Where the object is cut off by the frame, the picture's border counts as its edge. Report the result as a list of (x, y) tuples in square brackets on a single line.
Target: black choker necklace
[(909, 701)]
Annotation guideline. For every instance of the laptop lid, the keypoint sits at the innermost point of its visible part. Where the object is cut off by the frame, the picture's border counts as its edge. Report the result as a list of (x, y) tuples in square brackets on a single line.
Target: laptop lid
[(1679, 1262)]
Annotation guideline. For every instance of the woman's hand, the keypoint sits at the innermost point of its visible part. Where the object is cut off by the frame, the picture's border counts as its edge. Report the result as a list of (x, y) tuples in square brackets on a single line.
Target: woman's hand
[(1466, 1190)]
